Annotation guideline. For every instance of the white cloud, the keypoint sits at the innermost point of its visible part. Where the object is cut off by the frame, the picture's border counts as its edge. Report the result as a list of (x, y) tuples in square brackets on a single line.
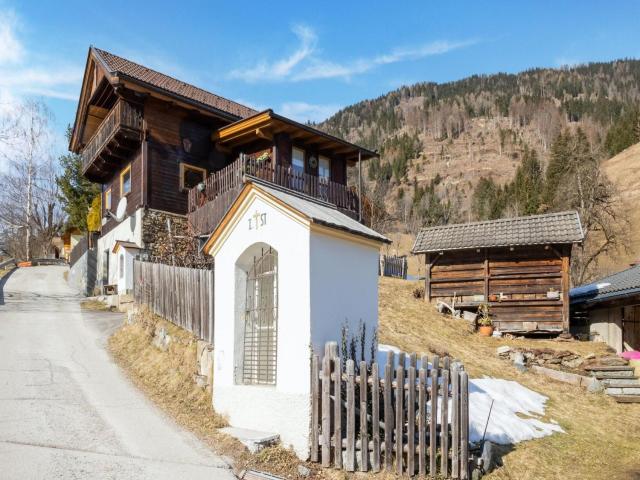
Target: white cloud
[(11, 49), (303, 112), (20, 76), (306, 64), (282, 68)]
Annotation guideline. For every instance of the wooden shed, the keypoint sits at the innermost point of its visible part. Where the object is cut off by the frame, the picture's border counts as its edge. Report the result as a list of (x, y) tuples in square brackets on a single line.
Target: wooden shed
[(518, 266)]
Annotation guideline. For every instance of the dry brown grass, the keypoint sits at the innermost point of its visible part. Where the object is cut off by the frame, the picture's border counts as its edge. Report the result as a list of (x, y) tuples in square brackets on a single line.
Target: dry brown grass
[(602, 439), (95, 305), (167, 379)]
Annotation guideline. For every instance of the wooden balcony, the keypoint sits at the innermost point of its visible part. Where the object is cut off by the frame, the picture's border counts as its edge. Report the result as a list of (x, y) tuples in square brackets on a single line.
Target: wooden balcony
[(116, 138), (206, 208)]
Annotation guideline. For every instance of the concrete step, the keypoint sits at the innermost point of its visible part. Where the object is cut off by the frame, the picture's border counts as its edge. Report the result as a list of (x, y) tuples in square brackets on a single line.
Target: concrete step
[(627, 398), (252, 439), (608, 368), (614, 374), (620, 382), (623, 390)]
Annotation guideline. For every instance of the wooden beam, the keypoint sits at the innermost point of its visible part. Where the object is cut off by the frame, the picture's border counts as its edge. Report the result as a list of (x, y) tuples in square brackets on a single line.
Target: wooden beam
[(565, 289), (486, 275), (264, 133), (427, 277)]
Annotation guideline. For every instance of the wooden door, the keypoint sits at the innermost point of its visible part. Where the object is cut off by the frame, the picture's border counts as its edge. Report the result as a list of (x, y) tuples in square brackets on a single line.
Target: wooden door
[(631, 328)]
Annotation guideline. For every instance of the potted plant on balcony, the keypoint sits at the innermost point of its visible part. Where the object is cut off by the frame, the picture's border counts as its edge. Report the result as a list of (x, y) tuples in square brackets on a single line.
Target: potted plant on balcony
[(485, 325)]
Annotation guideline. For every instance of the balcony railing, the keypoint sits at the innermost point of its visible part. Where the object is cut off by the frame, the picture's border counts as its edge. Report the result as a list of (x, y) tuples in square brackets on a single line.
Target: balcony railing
[(207, 207), (124, 118)]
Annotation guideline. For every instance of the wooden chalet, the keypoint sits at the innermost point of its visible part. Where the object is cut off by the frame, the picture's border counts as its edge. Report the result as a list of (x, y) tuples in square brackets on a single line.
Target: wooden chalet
[(175, 148), (518, 266)]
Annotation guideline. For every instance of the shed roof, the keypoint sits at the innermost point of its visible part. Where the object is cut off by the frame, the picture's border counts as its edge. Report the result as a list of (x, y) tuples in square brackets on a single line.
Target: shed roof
[(547, 229), (119, 66), (621, 284)]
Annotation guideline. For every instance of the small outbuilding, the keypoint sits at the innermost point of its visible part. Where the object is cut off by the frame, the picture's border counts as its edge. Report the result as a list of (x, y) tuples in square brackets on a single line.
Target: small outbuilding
[(125, 253), (290, 270), (518, 266), (609, 310)]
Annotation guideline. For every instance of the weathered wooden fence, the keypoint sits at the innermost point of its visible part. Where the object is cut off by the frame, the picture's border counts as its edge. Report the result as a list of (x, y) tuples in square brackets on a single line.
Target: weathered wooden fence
[(409, 419), (184, 296), (392, 266)]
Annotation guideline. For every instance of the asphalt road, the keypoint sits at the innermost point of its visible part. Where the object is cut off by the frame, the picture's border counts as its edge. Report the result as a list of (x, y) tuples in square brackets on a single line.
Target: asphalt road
[(66, 410)]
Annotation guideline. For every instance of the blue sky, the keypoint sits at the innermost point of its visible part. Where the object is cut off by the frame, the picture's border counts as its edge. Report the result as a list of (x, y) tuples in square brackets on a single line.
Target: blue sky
[(303, 59)]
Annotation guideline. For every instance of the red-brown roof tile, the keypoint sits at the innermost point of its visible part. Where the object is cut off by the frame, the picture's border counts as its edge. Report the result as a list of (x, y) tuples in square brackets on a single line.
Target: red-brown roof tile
[(172, 86)]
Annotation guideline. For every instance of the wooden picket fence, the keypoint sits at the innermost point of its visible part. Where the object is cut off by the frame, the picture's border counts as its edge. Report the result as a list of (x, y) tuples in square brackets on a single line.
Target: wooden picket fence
[(183, 296), (372, 422), (392, 266)]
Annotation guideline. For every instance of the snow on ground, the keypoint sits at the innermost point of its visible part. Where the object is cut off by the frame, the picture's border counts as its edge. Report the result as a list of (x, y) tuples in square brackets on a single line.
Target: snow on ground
[(516, 411)]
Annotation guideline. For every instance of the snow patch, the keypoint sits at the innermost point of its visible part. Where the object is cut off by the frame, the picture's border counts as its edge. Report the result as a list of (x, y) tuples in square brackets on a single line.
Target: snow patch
[(516, 412)]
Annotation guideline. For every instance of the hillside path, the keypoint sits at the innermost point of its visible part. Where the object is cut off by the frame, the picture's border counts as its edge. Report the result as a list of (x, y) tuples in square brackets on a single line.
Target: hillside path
[(66, 410)]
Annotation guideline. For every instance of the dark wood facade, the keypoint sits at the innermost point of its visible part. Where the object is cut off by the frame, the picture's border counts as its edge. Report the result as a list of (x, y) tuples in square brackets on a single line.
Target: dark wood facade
[(123, 125), (526, 287)]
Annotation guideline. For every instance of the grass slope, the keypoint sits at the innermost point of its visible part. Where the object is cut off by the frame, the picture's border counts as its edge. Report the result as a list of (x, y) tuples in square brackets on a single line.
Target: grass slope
[(624, 172), (603, 437)]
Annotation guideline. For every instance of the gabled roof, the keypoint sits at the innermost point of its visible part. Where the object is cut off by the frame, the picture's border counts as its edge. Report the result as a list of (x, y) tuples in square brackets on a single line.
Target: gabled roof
[(548, 229), (621, 284), (124, 244), (313, 211), (118, 67)]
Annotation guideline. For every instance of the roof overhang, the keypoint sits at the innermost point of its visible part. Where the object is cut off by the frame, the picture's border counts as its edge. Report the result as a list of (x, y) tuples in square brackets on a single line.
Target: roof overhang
[(124, 244), (415, 251), (266, 124)]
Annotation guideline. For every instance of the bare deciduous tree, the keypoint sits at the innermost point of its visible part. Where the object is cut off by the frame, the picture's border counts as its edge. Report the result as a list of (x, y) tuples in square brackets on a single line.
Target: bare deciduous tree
[(30, 213)]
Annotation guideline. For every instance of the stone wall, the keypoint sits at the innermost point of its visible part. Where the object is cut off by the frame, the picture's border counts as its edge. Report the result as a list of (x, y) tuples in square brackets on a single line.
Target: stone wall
[(170, 239)]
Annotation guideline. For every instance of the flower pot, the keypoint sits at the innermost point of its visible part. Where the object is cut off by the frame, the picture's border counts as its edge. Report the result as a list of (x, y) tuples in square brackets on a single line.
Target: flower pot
[(485, 330), (493, 297)]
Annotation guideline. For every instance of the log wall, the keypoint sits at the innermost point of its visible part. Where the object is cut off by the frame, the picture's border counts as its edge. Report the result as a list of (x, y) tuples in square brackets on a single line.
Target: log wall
[(525, 287)]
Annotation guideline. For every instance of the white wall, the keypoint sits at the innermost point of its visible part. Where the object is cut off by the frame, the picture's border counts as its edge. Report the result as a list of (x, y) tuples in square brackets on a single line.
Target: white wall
[(605, 325), (129, 230), (344, 288), (125, 280), (283, 408), (322, 280)]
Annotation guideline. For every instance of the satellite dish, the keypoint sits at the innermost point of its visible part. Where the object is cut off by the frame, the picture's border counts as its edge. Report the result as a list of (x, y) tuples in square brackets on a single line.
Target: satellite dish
[(121, 211)]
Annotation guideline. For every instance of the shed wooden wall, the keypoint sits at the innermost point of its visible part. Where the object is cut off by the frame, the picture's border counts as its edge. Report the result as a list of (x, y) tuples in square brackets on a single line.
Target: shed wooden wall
[(520, 278)]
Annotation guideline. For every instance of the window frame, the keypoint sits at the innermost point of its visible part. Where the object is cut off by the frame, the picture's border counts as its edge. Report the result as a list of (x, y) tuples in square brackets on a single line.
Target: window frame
[(108, 194), (326, 178), (187, 166), (122, 174), (293, 166)]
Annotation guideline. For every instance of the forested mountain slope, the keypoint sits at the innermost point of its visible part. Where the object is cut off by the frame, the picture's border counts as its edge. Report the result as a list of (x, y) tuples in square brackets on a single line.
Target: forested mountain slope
[(480, 147)]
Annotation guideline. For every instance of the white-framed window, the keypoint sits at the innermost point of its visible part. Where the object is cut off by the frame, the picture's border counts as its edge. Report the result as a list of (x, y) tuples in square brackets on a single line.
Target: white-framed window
[(190, 176), (125, 181), (324, 168), (107, 200), (297, 160)]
